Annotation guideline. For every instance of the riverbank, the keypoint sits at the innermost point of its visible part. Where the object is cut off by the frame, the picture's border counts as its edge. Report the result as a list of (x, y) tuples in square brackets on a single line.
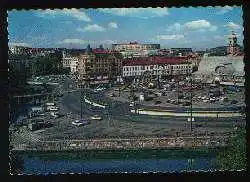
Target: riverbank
[(132, 143), (122, 153)]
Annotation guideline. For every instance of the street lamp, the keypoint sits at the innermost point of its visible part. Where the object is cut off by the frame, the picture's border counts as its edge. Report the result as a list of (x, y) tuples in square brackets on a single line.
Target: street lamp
[(82, 97), (191, 104)]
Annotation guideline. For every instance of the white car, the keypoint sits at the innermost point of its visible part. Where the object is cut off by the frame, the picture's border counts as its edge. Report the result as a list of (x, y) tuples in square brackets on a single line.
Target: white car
[(96, 117), (80, 122), (132, 104), (54, 114), (52, 108), (99, 89)]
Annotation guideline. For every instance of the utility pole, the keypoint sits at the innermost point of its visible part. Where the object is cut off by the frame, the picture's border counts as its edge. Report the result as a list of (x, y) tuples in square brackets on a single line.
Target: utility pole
[(81, 99), (191, 107), (178, 91)]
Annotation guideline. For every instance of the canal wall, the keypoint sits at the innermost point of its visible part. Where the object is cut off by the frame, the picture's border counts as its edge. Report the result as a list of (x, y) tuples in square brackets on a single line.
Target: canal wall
[(137, 143)]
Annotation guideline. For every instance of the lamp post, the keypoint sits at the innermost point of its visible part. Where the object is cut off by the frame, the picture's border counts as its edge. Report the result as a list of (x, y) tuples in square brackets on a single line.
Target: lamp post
[(82, 97), (191, 107)]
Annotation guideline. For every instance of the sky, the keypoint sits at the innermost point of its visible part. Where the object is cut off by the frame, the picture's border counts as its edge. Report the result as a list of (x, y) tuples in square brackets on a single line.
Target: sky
[(198, 28)]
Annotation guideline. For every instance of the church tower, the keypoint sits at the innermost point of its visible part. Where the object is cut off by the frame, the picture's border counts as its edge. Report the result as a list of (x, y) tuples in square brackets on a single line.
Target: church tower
[(232, 44)]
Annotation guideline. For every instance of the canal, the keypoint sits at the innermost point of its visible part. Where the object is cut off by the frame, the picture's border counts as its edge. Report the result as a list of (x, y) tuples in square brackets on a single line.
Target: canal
[(112, 161)]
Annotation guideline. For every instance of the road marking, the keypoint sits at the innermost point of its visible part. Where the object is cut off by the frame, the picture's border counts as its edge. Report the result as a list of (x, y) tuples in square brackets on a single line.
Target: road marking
[(195, 114)]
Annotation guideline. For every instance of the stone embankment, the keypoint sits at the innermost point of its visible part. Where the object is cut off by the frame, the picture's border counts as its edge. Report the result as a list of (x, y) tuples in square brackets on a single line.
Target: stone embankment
[(137, 143)]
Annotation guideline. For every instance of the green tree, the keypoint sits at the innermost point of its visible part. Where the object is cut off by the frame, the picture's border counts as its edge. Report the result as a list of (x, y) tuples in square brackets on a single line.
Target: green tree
[(234, 156), (50, 64)]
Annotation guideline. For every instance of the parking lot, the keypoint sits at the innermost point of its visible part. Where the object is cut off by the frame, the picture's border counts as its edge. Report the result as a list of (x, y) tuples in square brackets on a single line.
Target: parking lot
[(126, 124), (178, 97)]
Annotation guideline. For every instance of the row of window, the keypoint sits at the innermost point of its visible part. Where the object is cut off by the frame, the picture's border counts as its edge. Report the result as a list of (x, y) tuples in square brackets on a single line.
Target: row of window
[(152, 67), (155, 72)]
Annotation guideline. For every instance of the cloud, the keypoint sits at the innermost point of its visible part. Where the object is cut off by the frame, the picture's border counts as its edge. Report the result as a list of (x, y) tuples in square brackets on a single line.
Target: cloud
[(197, 25), (169, 37), (220, 37), (107, 41), (82, 41), (112, 25), (136, 12), (74, 13), (21, 44), (92, 28), (223, 10), (175, 27), (232, 25), (201, 25), (73, 41)]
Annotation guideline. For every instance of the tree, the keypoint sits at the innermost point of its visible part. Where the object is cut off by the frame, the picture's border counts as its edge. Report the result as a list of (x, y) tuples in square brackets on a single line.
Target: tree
[(16, 163), (234, 156), (50, 64)]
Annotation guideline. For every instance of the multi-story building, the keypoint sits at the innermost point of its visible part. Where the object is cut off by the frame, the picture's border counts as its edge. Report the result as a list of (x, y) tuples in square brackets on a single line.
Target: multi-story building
[(180, 51), (134, 46), (19, 50), (98, 66), (70, 61), (157, 65)]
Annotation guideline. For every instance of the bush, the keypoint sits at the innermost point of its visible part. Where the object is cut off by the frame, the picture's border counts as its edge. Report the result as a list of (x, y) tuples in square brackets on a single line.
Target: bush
[(234, 156)]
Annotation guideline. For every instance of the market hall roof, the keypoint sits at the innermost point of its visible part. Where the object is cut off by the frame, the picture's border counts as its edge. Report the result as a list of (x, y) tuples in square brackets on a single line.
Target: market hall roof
[(208, 65)]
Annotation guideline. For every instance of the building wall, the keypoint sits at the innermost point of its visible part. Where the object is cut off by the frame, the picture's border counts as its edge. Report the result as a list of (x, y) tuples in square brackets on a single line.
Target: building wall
[(71, 62), (166, 69), (98, 68), (135, 47)]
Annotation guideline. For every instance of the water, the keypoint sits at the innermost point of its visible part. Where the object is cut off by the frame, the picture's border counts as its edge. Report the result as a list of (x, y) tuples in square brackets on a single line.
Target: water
[(47, 163), (38, 166)]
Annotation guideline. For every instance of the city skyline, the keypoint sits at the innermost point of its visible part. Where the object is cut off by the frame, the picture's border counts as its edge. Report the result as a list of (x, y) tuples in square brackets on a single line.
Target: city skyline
[(198, 28)]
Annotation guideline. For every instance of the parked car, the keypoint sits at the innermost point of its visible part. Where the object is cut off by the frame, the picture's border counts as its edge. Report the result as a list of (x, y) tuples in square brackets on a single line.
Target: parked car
[(52, 108), (234, 102), (112, 95), (132, 104), (186, 104), (54, 114), (96, 117), (157, 102), (80, 122)]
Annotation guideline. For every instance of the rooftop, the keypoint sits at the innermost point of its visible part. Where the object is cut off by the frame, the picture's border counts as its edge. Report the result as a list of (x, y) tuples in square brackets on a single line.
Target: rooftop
[(154, 60)]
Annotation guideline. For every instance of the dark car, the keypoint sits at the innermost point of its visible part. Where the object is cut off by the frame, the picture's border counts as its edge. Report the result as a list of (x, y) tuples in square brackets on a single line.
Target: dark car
[(234, 102), (157, 102), (186, 104)]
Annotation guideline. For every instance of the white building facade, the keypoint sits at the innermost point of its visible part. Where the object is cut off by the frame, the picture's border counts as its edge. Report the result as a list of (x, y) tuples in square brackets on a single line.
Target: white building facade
[(70, 62), (156, 68), (134, 46)]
